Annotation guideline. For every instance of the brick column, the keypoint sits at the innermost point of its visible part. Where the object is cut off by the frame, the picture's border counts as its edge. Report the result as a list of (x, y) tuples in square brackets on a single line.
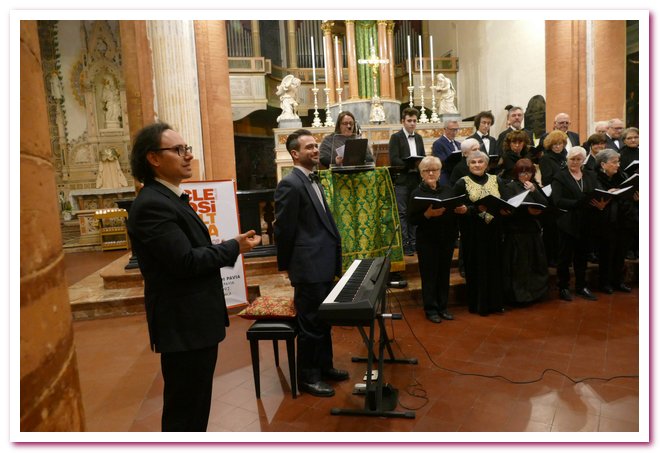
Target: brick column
[(50, 388)]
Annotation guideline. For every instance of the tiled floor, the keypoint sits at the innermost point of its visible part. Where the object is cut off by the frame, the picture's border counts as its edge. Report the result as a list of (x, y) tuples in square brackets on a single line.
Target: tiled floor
[(452, 390)]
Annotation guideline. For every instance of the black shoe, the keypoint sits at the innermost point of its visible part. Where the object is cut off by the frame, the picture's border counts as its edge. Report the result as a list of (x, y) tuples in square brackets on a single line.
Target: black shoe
[(607, 289), (333, 374), (409, 251), (462, 272), (434, 318), (586, 294), (631, 255), (565, 294), (592, 258), (624, 288), (319, 388), (498, 310), (446, 315)]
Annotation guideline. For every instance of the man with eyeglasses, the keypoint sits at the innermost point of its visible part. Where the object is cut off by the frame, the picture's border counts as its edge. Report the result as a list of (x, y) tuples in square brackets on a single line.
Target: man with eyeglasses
[(613, 135), (514, 118), (561, 123), (183, 294), (446, 146)]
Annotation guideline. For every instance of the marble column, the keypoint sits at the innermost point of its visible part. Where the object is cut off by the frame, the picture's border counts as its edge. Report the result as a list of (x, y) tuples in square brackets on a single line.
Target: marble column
[(50, 398), (326, 26), (292, 42), (352, 60), (390, 56), (256, 39), (382, 54), (176, 85), (215, 94)]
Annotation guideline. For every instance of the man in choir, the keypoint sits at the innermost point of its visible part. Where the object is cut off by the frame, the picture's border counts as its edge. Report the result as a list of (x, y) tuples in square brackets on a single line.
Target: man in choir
[(406, 149), (482, 122), (183, 296), (613, 134), (309, 249), (444, 147), (514, 118)]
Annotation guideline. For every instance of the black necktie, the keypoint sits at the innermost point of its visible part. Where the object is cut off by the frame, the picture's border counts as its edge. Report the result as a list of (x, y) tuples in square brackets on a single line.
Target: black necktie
[(314, 178), (185, 197)]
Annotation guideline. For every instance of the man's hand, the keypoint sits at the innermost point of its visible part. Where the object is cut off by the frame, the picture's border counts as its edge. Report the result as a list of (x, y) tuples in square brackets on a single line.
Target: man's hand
[(247, 241)]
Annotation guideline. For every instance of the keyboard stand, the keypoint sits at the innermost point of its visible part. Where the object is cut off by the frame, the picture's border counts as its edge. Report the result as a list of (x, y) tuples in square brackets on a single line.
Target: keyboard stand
[(380, 400)]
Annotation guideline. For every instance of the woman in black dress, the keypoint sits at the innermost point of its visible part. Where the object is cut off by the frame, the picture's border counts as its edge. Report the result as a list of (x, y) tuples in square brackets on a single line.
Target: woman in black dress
[(514, 147), (437, 230), (550, 164), (612, 234), (569, 192), (481, 236), (525, 268)]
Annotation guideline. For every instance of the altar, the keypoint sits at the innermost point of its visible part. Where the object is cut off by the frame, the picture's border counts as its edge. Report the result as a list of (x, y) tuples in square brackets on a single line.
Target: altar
[(364, 208)]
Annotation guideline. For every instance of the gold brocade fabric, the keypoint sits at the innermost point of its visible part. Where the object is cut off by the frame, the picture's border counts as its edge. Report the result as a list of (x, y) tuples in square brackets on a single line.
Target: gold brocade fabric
[(476, 191), (363, 205)]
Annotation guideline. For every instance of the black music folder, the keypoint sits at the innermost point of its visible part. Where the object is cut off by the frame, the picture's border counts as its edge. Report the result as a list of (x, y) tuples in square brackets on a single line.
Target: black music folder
[(495, 204), (354, 153), (633, 167), (422, 203), (633, 181), (599, 194)]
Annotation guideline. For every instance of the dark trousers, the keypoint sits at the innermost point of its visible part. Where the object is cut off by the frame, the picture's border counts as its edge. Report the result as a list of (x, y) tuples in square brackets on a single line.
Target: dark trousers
[(314, 335), (572, 249), (188, 377), (611, 259), (434, 265)]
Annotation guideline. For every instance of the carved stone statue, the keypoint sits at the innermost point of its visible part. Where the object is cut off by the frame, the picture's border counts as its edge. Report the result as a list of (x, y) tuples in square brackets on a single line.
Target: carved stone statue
[(446, 93), (111, 104), (110, 175), (377, 114), (288, 93)]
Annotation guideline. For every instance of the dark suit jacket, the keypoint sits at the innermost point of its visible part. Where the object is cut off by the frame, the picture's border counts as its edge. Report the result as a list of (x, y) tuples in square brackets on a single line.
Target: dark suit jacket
[(610, 144), (482, 146), (442, 149), (550, 165), (307, 239), (400, 150), (183, 295), (566, 195)]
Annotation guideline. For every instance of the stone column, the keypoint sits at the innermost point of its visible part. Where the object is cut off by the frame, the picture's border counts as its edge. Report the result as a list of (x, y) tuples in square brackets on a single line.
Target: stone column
[(50, 398), (215, 95), (390, 56), (326, 26), (256, 39), (176, 84), (609, 54), (382, 54), (292, 41), (352, 60)]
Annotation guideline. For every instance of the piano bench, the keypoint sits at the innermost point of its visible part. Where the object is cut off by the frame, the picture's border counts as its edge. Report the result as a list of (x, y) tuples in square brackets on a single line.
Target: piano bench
[(273, 329)]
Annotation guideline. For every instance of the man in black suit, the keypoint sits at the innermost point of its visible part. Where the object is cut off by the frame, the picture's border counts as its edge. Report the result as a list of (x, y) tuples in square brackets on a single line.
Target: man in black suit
[(614, 130), (183, 296), (309, 249), (514, 119), (482, 122), (562, 122), (406, 149), (444, 147)]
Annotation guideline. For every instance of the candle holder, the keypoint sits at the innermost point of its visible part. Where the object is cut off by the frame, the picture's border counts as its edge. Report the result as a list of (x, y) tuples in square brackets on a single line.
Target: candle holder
[(317, 121), (339, 90), (328, 116), (422, 118), (434, 116), (410, 92)]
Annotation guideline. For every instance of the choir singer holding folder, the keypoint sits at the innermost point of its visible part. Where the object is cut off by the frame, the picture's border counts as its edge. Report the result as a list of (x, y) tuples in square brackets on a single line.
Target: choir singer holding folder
[(346, 128), (481, 237), (437, 230)]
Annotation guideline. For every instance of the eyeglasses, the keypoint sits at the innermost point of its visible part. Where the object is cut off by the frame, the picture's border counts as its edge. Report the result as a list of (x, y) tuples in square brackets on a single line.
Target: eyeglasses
[(181, 150), (430, 170), (452, 129), (563, 122), (349, 123)]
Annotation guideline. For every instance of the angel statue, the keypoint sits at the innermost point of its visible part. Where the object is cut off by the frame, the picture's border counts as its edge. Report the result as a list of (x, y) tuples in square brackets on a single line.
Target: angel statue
[(288, 92), (447, 94)]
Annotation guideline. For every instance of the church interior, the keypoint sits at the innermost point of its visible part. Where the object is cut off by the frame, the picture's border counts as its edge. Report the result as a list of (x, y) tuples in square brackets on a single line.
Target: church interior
[(235, 89)]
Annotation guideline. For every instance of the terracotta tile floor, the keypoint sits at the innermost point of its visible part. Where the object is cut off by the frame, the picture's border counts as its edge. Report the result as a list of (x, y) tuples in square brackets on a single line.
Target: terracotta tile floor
[(448, 389)]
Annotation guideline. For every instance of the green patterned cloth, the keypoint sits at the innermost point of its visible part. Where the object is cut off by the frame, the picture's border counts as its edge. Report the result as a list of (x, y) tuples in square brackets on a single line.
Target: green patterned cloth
[(364, 208)]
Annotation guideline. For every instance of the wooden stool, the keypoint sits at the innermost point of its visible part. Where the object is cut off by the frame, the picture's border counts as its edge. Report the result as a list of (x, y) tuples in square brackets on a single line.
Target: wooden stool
[(273, 329)]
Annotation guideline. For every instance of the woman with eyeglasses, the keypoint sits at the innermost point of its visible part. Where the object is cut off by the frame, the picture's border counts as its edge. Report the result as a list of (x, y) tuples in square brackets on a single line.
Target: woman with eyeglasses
[(346, 128), (481, 237), (594, 144), (570, 192), (437, 230), (554, 156), (525, 268)]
